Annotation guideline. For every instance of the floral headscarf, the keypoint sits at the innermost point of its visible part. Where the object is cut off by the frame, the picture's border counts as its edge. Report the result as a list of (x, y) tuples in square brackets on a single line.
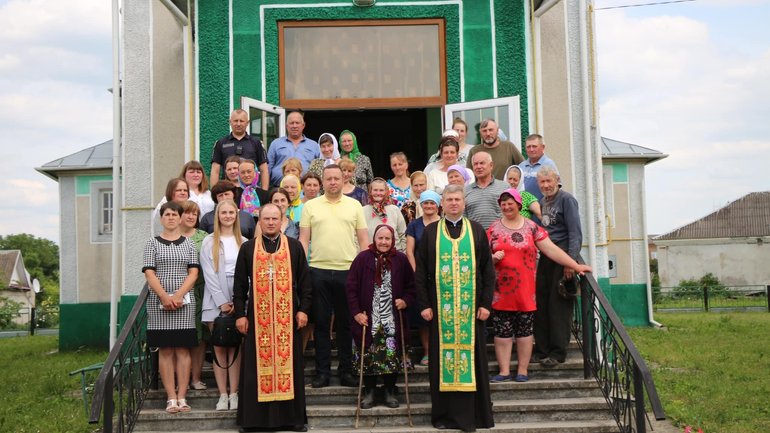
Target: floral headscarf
[(249, 198), (353, 152), (382, 259)]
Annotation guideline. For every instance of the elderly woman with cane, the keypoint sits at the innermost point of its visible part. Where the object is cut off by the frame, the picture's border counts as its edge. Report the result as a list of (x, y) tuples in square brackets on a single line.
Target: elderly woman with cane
[(380, 284)]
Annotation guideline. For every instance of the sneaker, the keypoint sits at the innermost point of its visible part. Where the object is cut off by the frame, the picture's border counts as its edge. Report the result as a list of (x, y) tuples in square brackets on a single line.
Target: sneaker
[(222, 404), (501, 378), (234, 401)]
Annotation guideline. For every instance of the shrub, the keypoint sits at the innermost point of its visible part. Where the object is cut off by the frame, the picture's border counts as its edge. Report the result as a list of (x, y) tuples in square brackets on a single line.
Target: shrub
[(9, 311)]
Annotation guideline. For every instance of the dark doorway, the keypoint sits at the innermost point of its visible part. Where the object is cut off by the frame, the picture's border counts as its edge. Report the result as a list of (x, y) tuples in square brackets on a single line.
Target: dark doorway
[(379, 133)]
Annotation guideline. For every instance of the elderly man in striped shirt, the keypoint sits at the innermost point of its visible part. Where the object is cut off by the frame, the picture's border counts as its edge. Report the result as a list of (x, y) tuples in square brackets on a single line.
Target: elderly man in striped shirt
[(481, 196)]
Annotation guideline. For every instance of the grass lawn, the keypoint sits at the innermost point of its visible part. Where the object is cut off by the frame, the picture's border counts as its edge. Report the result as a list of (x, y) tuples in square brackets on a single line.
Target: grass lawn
[(38, 395), (711, 370)]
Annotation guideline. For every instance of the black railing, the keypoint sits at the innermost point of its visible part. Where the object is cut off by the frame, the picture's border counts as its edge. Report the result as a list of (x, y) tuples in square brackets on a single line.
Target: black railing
[(127, 374), (612, 359)]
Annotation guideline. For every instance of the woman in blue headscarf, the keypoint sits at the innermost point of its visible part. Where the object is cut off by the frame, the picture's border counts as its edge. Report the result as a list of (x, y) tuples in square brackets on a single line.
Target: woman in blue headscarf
[(349, 149)]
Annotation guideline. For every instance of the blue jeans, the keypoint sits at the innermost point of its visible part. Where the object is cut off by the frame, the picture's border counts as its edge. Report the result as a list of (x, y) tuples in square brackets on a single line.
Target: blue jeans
[(329, 296)]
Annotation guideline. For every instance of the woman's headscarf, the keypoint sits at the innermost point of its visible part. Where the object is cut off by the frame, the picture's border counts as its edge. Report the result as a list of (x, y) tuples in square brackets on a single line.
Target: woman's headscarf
[(382, 259), (462, 170), (250, 198), (353, 152), (521, 176), (293, 204), (335, 153)]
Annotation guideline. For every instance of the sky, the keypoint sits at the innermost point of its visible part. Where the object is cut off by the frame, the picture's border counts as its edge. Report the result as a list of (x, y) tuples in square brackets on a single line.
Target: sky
[(687, 79)]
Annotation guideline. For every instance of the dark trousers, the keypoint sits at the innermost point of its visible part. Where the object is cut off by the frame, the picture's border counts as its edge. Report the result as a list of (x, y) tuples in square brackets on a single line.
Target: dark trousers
[(329, 296), (553, 317)]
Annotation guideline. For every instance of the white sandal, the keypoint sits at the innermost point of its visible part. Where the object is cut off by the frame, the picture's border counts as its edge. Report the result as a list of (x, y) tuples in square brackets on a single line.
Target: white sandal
[(171, 406), (183, 406)]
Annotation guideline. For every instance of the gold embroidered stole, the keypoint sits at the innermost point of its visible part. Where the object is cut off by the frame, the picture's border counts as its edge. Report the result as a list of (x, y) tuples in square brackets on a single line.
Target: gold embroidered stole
[(273, 322), (456, 295)]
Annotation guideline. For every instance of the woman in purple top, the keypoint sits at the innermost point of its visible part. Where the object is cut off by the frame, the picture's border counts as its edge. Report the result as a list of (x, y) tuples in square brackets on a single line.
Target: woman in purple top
[(380, 283)]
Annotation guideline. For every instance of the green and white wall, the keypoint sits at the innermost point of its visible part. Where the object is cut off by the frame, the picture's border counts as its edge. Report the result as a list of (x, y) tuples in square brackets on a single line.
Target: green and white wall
[(237, 41)]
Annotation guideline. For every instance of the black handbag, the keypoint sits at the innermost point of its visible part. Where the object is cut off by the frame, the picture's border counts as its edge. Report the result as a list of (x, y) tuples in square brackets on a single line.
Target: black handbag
[(225, 334)]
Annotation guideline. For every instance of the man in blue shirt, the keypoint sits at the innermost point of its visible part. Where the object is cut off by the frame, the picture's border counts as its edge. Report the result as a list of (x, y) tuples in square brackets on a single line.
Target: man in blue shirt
[(536, 158), (293, 145)]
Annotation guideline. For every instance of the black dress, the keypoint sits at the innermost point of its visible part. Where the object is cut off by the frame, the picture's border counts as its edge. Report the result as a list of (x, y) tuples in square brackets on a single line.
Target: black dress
[(461, 410), (288, 413)]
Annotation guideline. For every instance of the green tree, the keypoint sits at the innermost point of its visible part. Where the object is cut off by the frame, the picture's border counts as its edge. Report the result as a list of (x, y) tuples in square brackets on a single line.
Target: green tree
[(41, 256)]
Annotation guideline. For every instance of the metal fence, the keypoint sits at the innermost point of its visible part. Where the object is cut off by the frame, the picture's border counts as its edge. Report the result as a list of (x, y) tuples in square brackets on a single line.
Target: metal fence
[(610, 357), (711, 298), (30, 319)]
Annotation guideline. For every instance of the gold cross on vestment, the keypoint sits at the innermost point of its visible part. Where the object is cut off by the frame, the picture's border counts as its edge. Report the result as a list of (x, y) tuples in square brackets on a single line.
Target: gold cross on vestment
[(464, 257)]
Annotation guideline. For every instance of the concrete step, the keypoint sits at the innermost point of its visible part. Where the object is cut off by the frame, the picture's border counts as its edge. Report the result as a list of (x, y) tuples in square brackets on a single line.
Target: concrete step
[(416, 352), (334, 417), (418, 393), (591, 426)]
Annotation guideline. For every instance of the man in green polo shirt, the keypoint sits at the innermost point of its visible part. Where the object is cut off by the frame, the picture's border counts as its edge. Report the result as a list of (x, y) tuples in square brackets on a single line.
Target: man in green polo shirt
[(336, 226)]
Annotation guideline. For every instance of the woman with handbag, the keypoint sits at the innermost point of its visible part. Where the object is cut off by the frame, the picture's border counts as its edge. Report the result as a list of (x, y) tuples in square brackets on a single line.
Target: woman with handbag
[(219, 252)]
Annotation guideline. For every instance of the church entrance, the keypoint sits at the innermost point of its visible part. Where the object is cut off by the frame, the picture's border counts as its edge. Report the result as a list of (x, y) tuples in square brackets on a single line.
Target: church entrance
[(414, 131)]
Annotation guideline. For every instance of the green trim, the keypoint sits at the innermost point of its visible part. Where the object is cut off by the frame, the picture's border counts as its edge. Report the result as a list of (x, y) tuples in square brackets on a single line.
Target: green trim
[(84, 325), (511, 43), (89, 324), (213, 74), (619, 172), (83, 183), (477, 38), (628, 300)]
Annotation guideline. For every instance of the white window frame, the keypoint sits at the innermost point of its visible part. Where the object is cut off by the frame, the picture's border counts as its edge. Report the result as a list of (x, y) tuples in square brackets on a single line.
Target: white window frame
[(97, 212), (514, 114), (248, 103)]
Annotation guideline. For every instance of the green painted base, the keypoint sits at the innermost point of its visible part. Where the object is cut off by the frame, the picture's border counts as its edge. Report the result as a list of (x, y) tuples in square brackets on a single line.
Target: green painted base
[(89, 324), (628, 300)]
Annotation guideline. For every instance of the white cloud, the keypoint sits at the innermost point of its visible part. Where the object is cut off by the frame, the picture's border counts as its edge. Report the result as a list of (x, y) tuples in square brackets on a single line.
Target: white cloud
[(55, 67), (666, 84)]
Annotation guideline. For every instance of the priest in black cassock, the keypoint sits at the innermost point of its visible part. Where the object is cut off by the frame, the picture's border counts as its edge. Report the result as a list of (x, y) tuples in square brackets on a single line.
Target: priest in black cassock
[(455, 280), (272, 295)]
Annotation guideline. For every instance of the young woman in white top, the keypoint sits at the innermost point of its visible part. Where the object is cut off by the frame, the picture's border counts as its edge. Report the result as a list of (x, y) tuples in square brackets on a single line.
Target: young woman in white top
[(219, 252), (193, 174), (437, 178)]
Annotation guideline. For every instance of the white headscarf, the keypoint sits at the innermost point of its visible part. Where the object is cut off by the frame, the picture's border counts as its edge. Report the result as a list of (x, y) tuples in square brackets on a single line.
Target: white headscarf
[(520, 188), (336, 153)]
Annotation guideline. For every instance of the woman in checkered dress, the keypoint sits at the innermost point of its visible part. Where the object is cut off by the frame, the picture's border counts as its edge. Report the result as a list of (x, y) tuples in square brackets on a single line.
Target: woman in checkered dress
[(171, 268)]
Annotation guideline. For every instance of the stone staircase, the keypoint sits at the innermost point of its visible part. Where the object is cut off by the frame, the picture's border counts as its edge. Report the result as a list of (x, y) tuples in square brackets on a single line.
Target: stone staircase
[(554, 400)]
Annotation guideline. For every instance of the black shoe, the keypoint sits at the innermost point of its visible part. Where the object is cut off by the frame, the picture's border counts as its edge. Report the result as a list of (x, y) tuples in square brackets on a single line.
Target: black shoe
[(548, 362), (321, 381), (299, 427), (367, 402), (347, 379), (536, 358), (390, 398)]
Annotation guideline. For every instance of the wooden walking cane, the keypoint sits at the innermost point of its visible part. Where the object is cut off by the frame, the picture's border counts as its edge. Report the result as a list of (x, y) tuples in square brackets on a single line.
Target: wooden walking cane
[(361, 375), (406, 374)]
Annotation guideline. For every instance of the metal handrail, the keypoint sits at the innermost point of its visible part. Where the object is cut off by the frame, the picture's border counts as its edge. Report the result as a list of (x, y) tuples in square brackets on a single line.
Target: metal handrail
[(610, 356), (127, 375)]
